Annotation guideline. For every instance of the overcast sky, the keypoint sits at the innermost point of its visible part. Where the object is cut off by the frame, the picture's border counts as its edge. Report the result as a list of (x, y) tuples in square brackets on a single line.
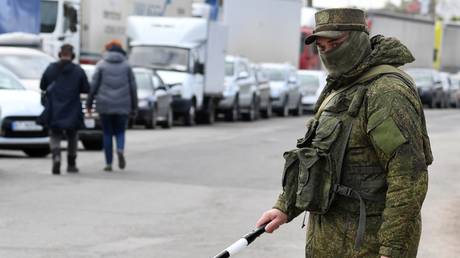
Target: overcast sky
[(366, 4)]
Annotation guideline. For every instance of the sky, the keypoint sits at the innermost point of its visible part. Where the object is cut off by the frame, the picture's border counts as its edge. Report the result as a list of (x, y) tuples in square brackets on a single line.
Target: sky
[(366, 4)]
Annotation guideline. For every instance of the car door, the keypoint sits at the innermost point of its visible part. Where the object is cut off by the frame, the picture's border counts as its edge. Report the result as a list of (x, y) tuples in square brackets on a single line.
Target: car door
[(294, 92), (162, 96)]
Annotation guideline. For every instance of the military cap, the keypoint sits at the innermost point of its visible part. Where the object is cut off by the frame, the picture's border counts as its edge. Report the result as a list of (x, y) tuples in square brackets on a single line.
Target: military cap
[(331, 23)]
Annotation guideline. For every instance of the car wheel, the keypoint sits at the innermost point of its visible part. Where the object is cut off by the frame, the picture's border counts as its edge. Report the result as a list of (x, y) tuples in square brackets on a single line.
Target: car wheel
[(251, 114), (93, 144), (285, 109), (151, 122), (37, 153), (298, 110), (169, 120), (233, 114), (268, 112), (189, 118)]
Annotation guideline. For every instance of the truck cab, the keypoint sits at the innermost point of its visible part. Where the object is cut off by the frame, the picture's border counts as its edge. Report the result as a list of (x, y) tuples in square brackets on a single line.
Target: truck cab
[(59, 24), (188, 54)]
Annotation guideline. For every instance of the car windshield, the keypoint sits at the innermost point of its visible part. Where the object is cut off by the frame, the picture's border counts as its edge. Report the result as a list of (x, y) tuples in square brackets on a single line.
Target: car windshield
[(422, 78), (143, 80), (309, 81), (275, 74), (163, 58), (229, 68), (48, 16), (8, 82), (29, 67)]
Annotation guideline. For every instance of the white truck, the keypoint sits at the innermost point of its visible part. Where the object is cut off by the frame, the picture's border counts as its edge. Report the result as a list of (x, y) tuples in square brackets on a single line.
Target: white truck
[(188, 54), (264, 30), (90, 24)]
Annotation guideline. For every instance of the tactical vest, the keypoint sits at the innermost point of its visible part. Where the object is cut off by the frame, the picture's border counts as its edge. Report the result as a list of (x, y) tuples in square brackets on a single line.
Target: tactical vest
[(317, 172)]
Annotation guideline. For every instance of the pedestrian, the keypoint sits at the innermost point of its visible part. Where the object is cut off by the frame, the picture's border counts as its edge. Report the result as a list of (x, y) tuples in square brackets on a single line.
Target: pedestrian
[(63, 82), (114, 89), (361, 168)]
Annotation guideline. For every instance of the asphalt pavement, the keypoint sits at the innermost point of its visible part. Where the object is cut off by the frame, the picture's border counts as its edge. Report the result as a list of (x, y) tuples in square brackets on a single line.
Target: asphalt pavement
[(190, 192)]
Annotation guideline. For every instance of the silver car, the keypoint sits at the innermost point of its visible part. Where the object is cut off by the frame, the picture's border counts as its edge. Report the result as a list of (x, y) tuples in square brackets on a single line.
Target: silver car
[(284, 86), (312, 84), (19, 110)]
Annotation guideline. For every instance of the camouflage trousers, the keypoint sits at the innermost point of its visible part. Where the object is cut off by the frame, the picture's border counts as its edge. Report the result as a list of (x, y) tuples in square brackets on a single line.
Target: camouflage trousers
[(333, 236)]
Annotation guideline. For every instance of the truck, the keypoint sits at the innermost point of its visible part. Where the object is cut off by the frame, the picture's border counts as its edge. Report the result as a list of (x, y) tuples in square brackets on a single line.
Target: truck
[(188, 54), (86, 24), (264, 30)]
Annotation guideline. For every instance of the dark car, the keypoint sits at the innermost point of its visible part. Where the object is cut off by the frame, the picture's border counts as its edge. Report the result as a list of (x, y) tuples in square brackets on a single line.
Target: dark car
[(154, 106), (91, 136), (429, 86)]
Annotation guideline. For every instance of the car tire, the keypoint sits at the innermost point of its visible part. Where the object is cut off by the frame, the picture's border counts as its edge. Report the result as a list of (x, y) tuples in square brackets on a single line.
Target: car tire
[(268, 112), (209, 115), (251, 114), (298, 111), (151, 122), (233, 114), (190, 116), (93, 144), (37, 153), (169, 120), (284, 112)]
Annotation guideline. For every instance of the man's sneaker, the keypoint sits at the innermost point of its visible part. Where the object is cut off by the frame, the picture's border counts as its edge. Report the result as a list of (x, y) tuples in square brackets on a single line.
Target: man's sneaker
[(108, 168), (121, 160), (72, 169), (56, 170)]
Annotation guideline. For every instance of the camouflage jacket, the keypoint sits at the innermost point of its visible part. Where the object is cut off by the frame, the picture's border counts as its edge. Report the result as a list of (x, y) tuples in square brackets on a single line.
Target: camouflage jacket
[(387, 153)]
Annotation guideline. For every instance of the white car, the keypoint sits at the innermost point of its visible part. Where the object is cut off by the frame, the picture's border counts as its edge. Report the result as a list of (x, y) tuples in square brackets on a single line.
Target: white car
[(241, 94), (19, 109), (284, 86), (312, 84), (27, 64)]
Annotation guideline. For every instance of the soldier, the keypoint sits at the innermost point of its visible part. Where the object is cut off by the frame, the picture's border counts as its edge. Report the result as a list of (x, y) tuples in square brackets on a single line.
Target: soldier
[(361, 169)]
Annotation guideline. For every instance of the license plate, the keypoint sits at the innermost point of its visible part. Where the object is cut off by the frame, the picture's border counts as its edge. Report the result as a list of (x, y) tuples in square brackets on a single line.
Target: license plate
[(90, 123), (26, 126)]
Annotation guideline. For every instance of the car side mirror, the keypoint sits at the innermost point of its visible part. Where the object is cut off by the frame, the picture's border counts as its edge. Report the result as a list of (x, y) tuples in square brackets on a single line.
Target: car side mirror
[(243, 75), (162, 87), (198, 68)]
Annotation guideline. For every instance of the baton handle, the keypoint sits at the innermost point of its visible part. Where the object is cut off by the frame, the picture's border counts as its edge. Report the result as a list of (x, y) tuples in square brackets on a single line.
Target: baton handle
[(242, 243)]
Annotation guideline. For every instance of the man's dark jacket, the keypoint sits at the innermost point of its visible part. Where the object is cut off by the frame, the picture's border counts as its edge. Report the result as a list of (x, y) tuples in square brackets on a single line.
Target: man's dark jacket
[(64, 81)]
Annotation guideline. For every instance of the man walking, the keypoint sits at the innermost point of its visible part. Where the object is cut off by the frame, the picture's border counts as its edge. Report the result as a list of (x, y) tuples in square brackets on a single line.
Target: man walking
[(361, 169), (63, 81)]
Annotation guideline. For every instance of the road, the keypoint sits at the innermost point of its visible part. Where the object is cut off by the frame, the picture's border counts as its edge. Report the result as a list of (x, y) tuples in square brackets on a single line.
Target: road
[(189, 192)]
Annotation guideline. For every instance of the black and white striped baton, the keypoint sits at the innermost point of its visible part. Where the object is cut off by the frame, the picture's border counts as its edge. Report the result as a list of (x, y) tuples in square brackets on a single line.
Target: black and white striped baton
[(242, 243)]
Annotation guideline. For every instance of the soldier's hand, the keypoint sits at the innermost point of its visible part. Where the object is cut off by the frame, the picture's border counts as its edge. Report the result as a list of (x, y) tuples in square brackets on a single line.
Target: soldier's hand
[(275, 217), (384, 256)]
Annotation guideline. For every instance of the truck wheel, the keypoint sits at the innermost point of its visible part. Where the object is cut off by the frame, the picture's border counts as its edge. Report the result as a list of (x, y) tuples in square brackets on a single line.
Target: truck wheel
[(92, 144), (233, 114), (151, 121), (209, 115), (189, 118), (169, 120), (37, 153)]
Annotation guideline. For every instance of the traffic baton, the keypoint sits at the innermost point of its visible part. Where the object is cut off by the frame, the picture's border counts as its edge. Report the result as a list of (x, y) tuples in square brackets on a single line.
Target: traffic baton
[(242, 243)]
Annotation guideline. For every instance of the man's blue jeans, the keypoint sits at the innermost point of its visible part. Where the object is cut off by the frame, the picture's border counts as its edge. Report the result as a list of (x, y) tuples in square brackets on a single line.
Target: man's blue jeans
[(113, 125)]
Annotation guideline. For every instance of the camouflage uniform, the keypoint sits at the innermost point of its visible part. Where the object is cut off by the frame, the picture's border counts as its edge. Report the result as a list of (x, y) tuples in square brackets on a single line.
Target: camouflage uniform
[(387, 153)]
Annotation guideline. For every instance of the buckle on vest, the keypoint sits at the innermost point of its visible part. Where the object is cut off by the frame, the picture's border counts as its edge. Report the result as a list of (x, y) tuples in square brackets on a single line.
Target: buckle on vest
[(343, 190)]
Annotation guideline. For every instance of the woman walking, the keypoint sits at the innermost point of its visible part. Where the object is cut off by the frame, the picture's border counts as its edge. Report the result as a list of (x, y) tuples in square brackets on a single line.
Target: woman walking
[(114, 88)]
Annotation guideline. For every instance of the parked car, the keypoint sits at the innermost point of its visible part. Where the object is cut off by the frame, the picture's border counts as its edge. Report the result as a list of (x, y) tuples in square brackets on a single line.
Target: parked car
[(312, 84), (19, 110), (155, 100), (284, 86), (449, 90), (26, 63), (240, 93), (91, 136), (429, 86), (264, 92)]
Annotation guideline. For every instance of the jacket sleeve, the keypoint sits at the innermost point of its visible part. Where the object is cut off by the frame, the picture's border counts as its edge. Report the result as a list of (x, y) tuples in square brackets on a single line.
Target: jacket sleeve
[(394, 127), (95, 84), (84, 84), (133, 90), (44, 80)]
